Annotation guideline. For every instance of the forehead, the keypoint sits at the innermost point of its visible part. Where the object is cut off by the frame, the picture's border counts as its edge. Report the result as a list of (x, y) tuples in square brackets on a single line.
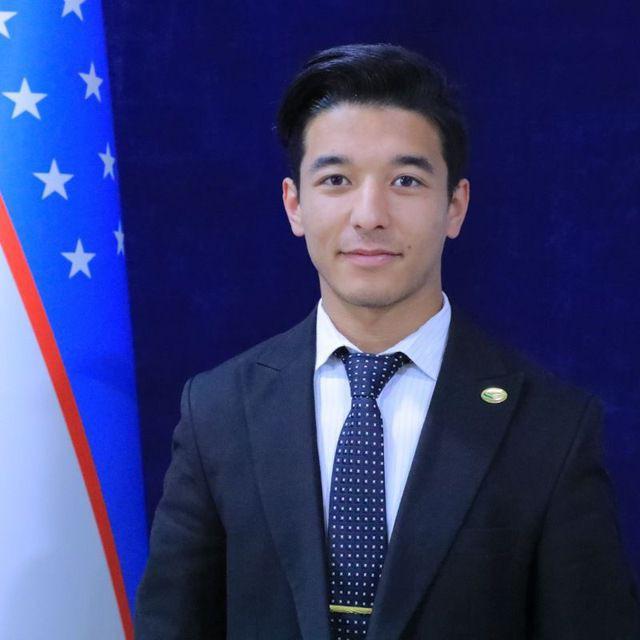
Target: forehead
[(361, 130)]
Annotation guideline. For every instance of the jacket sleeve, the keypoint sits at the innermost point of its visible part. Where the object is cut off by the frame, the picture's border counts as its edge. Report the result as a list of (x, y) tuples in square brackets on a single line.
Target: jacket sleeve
[(182, 592), (583, 587)]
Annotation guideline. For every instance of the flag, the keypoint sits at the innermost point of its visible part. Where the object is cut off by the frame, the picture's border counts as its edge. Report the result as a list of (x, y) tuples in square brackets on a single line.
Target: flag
[(72, 525)]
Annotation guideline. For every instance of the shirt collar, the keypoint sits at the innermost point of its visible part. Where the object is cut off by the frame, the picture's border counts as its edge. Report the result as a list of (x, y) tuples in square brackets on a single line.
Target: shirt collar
[(425, 346)]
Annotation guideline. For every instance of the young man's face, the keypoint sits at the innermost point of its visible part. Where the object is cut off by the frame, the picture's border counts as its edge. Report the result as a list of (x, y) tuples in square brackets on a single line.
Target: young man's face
[(373, 205)]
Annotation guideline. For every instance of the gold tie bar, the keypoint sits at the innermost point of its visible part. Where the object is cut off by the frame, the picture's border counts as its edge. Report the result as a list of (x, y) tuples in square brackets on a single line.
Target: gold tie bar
[(339, 608)]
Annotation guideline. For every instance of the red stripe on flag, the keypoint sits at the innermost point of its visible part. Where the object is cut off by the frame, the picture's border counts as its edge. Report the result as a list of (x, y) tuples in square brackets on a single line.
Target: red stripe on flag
[(19, 266)]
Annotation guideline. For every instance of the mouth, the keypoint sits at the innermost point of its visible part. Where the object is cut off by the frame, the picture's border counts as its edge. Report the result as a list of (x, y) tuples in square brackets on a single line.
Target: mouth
[(369, 257)]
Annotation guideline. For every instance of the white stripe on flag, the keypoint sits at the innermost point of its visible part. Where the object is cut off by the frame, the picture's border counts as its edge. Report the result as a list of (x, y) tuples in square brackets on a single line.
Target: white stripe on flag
[(54, 578)]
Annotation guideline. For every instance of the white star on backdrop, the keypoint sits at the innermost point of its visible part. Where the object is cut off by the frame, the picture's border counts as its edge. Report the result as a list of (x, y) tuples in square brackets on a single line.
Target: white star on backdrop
[(93, 83), (54, 181), (120, 238), (79, 260), (73, 6), (25, 100), (5, 16), (109, 161)]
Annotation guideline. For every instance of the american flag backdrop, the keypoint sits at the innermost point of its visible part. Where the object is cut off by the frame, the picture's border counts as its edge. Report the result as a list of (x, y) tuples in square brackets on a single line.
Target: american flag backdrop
[(72, 525)]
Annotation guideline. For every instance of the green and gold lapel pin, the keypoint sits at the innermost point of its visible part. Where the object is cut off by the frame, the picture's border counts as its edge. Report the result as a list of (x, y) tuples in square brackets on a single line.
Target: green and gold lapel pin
[(494, 395)]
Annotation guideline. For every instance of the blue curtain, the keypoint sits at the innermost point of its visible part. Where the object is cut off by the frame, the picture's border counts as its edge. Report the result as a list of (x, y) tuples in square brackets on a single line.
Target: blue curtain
[(548, 256)]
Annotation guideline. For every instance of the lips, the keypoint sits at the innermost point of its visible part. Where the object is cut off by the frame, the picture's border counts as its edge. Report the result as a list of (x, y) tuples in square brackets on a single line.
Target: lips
[(369, 257)]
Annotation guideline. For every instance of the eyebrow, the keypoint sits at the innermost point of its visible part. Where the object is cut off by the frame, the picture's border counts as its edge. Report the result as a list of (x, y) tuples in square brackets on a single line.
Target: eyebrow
[(416, 161), (324, 161)]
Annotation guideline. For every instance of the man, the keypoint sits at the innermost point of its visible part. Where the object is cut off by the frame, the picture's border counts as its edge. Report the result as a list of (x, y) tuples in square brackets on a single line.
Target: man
[(382, 470)]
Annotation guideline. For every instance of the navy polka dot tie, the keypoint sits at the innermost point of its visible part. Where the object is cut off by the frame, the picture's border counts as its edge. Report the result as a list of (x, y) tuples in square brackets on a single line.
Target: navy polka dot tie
[(357, 511)]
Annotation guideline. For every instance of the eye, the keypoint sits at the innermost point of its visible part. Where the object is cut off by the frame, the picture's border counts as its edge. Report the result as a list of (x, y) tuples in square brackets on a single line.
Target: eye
[(407, 181), (335, 180)]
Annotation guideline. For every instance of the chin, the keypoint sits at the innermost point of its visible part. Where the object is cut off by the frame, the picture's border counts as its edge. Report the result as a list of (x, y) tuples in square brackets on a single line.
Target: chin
[(372, 299)]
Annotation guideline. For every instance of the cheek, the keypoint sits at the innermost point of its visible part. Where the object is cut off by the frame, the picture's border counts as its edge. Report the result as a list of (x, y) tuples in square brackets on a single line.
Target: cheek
[(322, 220), (319, 237), (423, 233), (317, 232)]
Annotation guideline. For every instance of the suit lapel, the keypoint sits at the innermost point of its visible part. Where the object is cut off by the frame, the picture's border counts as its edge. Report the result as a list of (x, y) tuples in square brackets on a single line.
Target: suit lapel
[(458, 441), (281, 419)]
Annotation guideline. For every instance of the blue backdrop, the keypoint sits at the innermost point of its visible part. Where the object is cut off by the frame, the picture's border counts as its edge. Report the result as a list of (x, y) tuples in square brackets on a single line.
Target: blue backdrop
[(548, 258)]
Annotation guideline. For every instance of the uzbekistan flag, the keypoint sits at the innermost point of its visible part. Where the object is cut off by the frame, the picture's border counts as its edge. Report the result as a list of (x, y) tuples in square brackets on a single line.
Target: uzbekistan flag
[(72, 525)]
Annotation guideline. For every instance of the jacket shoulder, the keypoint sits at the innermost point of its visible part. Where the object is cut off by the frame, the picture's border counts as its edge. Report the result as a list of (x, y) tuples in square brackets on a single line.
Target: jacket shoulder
[(540, 384), (222, 384)]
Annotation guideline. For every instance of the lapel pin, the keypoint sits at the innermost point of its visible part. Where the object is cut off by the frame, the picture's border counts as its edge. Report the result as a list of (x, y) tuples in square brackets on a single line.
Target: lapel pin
[(494, 395)]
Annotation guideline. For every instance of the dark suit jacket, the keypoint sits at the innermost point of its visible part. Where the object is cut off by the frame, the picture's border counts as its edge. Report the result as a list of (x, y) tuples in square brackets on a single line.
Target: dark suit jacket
[(506, 529)]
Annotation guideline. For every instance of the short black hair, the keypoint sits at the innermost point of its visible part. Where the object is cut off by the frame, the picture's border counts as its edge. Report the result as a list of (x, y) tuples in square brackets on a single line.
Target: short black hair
[(373, 74)]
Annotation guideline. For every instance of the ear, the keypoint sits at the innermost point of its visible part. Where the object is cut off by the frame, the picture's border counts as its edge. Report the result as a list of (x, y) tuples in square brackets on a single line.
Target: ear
[(457, 209), (291, 202)]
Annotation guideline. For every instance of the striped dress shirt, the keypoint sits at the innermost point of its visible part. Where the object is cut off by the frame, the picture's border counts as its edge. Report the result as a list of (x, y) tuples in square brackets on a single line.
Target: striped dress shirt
[(403, 403)]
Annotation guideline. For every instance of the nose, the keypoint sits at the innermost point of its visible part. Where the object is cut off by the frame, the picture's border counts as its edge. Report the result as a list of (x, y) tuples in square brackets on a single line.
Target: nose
[(370, 207)]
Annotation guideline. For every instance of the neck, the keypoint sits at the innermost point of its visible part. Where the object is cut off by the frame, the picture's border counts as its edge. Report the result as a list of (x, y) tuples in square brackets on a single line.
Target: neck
[(374, 329)]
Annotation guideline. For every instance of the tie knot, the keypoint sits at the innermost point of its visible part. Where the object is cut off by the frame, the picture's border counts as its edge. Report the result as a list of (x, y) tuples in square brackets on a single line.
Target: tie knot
[(368, 373)]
